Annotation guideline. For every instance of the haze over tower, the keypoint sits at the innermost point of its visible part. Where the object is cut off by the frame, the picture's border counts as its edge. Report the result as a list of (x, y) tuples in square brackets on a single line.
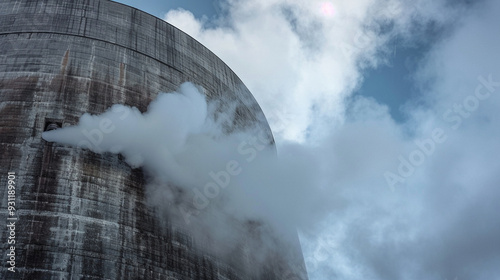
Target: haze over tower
[(85, 215)]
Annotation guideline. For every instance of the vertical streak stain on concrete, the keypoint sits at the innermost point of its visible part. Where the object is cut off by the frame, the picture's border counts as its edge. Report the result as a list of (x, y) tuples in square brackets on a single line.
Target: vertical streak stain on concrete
[(84, 215), (64, 62), (122, 74)]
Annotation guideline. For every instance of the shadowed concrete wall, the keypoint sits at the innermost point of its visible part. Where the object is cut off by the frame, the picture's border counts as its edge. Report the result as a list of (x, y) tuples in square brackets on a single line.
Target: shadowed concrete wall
[(84, 215)]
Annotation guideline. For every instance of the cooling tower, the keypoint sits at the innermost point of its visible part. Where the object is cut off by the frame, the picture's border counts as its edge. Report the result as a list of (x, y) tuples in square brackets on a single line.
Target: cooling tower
[(81, 215)]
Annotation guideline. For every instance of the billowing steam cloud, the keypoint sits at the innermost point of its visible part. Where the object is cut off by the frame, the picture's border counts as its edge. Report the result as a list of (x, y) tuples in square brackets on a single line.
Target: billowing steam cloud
[(198, 176), (178, 144)]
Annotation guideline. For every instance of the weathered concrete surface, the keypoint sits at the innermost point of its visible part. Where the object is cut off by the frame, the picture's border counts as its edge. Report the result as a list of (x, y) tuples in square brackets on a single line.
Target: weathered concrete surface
[(84, 215)]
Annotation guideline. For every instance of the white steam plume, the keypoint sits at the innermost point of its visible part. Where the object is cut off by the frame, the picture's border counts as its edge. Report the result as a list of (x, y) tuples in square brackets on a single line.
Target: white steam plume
[(219, 186), (178, 145)]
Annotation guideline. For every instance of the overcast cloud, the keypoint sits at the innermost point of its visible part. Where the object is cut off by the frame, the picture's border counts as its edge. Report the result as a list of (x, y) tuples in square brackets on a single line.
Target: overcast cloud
[(418, 200)]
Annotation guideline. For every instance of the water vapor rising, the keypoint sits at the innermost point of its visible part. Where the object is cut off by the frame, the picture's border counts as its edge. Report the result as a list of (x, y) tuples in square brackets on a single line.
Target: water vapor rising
[(219, 186), (193, 166)]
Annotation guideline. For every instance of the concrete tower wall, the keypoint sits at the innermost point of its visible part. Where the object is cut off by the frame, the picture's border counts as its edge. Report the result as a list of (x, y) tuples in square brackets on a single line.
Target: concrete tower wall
[(80, 214)]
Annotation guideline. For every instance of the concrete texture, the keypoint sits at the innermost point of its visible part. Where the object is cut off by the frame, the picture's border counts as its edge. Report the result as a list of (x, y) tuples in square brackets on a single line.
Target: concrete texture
[(83, 215)]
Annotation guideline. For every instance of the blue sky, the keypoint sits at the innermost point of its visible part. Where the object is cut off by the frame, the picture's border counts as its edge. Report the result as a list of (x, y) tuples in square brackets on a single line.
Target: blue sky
[(391, 83), (398, 100)]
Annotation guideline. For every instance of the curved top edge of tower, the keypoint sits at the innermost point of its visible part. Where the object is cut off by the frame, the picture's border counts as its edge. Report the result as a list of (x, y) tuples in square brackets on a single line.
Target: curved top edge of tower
[(147, 35), (207, 49)]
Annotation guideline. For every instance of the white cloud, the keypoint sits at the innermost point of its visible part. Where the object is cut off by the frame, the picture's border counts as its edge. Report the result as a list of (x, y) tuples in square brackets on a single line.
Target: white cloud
[(300, 62), (295, 60), (442, 221)]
